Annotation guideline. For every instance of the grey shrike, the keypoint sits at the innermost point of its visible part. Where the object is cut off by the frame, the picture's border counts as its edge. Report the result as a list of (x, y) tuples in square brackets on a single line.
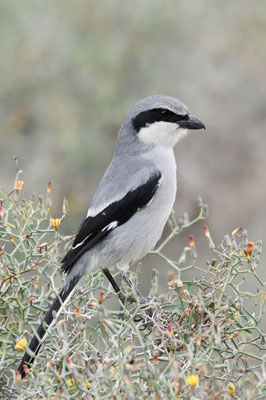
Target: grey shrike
[(132, 203)]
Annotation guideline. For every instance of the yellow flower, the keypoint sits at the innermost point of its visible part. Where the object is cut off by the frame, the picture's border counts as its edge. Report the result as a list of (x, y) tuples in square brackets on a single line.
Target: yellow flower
[(249, 249), (71, 382), (192, 380), (231, 389), (55, 222), (78, 313), (21, 345), (88, 384), (19, 185), (101, 297), (11, 237)]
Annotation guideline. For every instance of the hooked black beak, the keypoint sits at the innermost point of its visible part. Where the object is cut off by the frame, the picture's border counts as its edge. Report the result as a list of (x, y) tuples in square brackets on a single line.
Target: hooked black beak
[(192, 123)]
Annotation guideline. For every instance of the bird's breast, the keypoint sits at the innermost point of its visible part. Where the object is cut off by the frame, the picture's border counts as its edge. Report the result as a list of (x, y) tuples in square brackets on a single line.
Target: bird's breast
[(131, 241), (148, 224)]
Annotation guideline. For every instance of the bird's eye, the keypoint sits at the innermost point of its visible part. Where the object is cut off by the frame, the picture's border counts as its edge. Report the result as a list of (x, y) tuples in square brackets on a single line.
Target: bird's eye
[(165, 112)]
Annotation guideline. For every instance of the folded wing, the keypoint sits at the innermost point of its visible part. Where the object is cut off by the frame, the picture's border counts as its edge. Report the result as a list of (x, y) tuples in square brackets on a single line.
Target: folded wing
[(95, 228)]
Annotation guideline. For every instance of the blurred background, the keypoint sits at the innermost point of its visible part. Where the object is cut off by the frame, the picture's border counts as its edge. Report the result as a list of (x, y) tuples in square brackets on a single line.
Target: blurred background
[(71, 70)]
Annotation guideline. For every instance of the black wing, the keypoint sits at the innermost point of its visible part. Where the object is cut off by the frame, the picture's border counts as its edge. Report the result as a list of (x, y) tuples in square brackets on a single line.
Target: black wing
[(94, 229)]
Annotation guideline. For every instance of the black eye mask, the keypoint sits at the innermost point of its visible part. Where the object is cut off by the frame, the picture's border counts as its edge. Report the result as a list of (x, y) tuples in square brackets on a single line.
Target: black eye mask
[(156, 115)]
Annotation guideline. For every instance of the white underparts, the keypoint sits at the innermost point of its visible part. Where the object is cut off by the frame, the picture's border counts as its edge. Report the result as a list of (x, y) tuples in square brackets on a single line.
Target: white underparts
[(123, 267), (164, 134)]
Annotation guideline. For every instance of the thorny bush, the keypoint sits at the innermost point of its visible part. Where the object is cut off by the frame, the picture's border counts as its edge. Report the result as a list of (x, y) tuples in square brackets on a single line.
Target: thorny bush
[(201, 340)]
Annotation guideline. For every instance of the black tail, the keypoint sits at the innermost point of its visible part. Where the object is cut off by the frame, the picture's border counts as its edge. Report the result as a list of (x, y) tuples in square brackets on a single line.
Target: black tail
[(35, 343)]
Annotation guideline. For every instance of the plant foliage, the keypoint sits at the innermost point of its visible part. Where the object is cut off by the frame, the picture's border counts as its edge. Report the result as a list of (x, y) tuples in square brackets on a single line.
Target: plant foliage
[(200, 341)]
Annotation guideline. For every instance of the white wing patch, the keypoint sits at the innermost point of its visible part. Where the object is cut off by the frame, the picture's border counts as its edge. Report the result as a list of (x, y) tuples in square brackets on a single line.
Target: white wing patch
[(108, 227), (81, 243), (112, 225)]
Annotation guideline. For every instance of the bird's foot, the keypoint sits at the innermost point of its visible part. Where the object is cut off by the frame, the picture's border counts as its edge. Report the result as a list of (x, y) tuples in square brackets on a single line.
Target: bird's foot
[(143, 301), (137, 297)]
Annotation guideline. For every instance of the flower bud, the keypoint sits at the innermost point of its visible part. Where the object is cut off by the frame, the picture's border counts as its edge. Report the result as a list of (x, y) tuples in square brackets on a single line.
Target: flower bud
[(170, 330), (65, 207), (18, 376), (49, 187), (101, 297), (185, 219), (40, 200), (227, 241), (235, 231), (155, 359), (259, 246), (78, 313), (209, 239), (205, 211)]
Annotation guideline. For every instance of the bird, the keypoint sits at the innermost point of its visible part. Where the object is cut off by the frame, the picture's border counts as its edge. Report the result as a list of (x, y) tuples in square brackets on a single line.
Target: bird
[(132, 203)]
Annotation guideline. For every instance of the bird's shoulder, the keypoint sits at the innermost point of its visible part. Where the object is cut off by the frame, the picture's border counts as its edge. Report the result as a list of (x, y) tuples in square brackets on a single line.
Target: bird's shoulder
[(121, 178)]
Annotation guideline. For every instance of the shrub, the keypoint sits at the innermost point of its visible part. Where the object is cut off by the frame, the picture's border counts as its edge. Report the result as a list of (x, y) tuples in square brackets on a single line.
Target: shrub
[(200, 341)]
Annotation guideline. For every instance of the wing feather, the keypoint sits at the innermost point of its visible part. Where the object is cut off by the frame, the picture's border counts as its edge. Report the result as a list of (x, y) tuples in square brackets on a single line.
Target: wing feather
[(95, 228)]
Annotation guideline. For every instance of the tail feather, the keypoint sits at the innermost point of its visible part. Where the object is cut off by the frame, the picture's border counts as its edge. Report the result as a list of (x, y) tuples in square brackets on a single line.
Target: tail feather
[(35, 343)]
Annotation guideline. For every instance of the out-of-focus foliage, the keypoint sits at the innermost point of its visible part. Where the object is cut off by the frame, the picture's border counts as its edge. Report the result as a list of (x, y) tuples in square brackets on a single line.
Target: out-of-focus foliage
[(70, 71), (200, 340)]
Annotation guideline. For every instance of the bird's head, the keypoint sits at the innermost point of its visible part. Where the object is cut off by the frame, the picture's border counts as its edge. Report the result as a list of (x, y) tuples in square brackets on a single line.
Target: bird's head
[(162, 120)]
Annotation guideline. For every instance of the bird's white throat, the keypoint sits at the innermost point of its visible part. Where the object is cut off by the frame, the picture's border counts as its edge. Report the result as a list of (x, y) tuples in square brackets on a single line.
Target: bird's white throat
[(165, 134)]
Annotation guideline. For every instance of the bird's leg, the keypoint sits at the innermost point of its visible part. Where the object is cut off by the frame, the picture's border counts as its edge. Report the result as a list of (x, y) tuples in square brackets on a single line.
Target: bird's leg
[(142, 299), (115, 286), (121, 295)]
